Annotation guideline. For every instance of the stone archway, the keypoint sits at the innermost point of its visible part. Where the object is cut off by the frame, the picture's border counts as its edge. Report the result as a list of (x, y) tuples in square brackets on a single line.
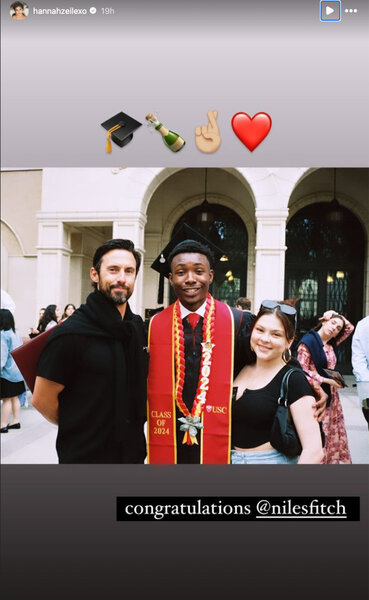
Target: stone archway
[(225, 229), (325, 265), (182, 191)]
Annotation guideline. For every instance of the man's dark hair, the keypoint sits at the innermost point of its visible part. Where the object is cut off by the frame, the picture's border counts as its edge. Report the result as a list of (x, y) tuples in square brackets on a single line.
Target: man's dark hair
[(6, 320), (115, 244), (245, 303), (189, 247)]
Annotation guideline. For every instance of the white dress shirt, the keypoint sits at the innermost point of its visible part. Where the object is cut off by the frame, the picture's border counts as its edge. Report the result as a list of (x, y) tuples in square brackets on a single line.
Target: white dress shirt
[(200, 311)]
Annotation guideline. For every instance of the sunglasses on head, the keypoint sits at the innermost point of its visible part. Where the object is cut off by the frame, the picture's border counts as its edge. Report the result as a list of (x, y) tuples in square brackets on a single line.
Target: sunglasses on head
[(285, 308)]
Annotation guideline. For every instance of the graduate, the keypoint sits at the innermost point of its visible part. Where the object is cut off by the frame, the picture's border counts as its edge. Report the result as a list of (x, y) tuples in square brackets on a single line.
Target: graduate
[(196, 345)]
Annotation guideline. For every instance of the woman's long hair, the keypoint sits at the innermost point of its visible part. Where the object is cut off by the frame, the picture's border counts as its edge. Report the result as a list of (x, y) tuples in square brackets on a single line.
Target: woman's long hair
[(65, 316), (6, 320), (49, 315)]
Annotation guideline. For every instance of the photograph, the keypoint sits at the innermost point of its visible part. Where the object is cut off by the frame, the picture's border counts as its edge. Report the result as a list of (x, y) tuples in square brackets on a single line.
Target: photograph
[(270, 263)]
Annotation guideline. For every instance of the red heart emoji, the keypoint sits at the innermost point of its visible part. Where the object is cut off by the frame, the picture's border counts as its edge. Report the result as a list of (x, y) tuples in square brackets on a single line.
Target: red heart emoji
[(251, 131)]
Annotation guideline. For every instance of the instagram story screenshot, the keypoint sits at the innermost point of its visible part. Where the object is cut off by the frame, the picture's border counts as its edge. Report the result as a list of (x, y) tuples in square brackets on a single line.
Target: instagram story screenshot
[(184, 298)]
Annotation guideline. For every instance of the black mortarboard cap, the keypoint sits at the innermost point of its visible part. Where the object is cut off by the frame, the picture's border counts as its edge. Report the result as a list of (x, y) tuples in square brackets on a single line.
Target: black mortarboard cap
[(124, 127), (184, 233)]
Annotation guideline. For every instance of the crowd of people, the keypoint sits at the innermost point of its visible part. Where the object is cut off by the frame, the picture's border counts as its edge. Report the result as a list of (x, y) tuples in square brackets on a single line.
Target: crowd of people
[(13, 387), (207, 378), (50, 316)]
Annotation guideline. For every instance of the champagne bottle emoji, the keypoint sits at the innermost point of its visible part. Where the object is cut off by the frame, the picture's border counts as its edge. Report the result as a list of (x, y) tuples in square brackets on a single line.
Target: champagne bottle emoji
[(171, 139)]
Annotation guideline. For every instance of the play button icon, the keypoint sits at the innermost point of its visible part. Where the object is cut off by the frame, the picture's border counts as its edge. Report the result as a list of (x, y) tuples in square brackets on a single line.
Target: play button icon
[(330, 11)]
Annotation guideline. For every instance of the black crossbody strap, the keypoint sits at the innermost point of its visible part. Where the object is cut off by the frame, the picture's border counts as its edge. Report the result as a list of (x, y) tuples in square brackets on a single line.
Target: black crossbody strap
[(283, 394), (237, 318)]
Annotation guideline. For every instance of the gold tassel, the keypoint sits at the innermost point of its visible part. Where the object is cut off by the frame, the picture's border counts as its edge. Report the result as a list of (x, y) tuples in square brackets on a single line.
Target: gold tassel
[(108, 136), (108, 143)]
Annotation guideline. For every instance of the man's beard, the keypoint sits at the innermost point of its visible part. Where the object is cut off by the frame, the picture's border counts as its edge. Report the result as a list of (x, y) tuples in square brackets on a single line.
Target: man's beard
[(117, 297)]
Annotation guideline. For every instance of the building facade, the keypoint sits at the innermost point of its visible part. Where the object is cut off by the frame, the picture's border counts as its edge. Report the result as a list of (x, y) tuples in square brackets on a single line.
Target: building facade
[(286, 232)]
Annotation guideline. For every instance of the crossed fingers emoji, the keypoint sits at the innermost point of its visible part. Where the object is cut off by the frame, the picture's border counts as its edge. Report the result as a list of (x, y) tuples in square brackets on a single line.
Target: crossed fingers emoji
[(207, 137)]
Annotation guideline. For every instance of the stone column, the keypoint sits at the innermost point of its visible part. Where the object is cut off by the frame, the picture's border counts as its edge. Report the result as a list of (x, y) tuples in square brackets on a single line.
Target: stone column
[(131, 226), (270, 254), (53, 264), (84, 242)]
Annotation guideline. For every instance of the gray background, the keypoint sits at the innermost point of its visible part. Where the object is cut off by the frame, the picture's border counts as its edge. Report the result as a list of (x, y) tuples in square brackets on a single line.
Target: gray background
[(62, 539), (64, 75)]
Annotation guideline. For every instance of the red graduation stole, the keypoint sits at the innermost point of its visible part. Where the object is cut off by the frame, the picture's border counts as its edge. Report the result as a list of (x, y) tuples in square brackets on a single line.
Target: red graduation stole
[(215, 413)]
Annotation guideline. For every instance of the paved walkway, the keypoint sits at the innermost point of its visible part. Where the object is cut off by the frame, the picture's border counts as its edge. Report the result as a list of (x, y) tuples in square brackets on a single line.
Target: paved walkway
[(34, 443), (356, 425)]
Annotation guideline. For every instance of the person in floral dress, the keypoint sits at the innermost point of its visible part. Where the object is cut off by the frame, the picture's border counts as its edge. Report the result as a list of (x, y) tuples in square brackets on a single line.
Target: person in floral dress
[(317, 351)]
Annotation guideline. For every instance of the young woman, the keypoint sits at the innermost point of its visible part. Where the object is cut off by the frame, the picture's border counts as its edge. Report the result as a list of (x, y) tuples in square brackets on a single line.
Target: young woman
[(18, 8), (258, 388), (50, 318), (12, 384), (35, 332), (316, 352), (68, 311)]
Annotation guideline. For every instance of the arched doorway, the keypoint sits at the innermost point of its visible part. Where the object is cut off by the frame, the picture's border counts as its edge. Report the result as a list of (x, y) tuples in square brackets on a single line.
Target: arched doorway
[(224, 228), (325, 266)]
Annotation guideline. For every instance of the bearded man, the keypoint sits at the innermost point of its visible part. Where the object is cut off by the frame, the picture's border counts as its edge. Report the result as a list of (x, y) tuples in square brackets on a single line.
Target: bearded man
[(91, 375)]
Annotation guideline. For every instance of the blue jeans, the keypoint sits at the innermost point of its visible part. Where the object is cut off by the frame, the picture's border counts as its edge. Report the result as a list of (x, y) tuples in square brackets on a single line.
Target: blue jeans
[(263, 457)]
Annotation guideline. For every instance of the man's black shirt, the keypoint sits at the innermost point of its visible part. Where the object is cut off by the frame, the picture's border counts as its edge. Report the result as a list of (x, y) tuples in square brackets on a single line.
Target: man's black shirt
[(96, 424)]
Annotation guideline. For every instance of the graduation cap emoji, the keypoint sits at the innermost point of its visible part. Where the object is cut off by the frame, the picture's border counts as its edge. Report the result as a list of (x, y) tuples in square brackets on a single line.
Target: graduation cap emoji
[(120, 129), (184, 233)]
